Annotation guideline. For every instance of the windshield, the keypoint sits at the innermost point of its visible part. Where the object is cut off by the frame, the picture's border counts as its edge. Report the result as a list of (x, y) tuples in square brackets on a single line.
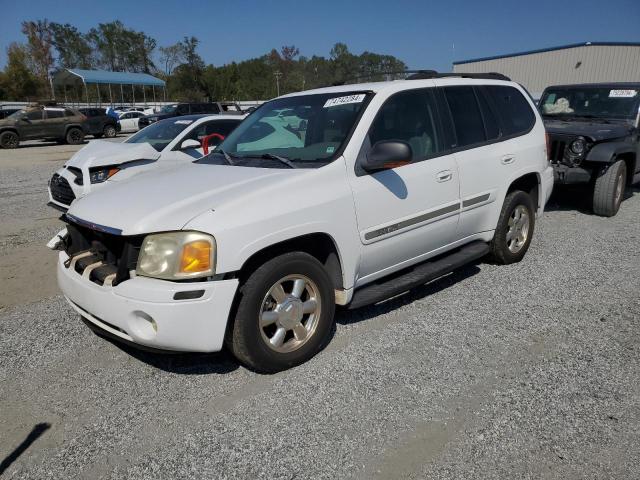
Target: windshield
[(308, 128), (160, 134), (168, 109), (17, 114), (599, 102)]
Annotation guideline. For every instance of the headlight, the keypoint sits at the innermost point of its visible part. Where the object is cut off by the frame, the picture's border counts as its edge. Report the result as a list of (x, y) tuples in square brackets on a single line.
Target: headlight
[(578, 146), (101, 174), (177, 255)]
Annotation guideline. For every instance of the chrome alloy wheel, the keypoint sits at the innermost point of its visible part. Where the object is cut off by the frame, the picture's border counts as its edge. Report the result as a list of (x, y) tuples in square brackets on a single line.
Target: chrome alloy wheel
[(619, 190), (290, 313), (518, 232)]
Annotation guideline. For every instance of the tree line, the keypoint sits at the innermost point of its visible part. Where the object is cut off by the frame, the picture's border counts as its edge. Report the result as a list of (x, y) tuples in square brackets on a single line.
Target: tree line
[(113, 46)]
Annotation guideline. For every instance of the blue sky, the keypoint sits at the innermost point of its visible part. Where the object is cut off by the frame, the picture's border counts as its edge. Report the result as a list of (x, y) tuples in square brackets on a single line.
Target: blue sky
[(422, 33)]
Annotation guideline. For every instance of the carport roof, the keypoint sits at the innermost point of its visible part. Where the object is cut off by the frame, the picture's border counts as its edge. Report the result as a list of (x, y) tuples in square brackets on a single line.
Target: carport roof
[(71, 75)]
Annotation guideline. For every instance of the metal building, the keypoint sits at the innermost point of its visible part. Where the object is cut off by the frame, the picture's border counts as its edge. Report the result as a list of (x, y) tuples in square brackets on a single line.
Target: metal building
[(577, 63)]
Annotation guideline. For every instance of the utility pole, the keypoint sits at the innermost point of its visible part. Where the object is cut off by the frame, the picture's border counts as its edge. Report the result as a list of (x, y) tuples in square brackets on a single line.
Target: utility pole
[(277, 74)]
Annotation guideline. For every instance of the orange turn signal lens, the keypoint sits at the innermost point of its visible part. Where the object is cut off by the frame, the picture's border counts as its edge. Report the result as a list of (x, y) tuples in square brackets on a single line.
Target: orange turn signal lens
[(196, 257)]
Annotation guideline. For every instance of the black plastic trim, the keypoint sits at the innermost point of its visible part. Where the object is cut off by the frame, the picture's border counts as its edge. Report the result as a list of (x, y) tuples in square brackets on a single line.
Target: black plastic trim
[(188, 295)]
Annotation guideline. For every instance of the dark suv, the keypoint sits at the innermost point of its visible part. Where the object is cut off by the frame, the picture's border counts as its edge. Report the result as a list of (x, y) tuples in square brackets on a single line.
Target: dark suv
[(100, 124), (594, 138), (65, 125), (179, 109)]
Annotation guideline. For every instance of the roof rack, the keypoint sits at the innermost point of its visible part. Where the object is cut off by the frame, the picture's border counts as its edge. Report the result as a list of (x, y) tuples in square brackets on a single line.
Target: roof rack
[(425, 74)]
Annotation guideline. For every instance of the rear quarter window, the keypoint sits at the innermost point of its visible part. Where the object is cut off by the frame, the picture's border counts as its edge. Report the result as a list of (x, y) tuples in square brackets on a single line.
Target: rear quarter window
[(516, 114)]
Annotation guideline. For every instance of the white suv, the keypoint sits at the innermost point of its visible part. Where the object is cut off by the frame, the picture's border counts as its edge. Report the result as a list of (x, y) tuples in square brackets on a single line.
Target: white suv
[(354, 194)]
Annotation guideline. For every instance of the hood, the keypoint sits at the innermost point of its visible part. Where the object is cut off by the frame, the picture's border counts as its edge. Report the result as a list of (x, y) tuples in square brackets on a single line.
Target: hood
[(100, 152), (167, 200), (596, 131)]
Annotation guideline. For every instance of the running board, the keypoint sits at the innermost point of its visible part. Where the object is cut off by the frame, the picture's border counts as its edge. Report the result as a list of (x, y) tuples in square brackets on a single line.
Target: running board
[(418, 275)]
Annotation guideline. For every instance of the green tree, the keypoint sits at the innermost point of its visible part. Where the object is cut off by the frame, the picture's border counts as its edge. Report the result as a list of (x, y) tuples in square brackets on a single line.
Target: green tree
[(72, 46), (39, 45), (121, 49), (171, 56), (19, 82)]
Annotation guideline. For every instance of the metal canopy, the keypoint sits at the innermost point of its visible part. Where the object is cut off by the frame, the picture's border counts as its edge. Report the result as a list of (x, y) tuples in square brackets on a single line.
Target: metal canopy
[(69, 76)]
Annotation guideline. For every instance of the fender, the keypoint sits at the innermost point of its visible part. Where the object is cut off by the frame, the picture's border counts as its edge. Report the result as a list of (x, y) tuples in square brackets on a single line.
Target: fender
[(75, 125), (606, 152), (10, 128)]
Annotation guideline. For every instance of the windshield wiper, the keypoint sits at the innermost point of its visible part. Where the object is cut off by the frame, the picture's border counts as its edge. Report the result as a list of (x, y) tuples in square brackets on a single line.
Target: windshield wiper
[(271, 156), (226, 156)]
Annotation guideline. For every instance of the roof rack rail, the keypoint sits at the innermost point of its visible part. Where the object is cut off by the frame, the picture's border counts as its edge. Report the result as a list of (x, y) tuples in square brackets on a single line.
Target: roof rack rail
[(425, 74)]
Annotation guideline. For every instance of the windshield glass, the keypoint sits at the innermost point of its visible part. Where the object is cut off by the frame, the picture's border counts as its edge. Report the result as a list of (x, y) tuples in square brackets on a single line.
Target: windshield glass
[(168, 109), (307, 128), (161, 133), (17, 114), (599, 102)]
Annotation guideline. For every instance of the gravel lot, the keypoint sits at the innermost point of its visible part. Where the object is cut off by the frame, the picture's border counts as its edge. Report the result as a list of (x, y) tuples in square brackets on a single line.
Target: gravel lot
[(525, 371)]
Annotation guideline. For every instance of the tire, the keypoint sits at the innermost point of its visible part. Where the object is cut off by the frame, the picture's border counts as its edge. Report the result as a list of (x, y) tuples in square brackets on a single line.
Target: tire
[(255, 337), (74, 136), (608, 190), (515, 228), (97, 135), (109, 131), (9, 140)]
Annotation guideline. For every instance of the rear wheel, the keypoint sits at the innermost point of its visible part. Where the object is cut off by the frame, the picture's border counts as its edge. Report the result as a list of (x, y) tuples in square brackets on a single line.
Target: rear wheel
[(609, 189), (284, 314), (109, 131), (9, 140), (515, 228), (75, 136)]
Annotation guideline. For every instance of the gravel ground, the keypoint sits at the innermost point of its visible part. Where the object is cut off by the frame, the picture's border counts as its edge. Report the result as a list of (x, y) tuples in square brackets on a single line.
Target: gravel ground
[(525, 371)]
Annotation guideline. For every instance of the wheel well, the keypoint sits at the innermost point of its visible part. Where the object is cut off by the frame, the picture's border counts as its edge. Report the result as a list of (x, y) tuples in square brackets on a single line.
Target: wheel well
[(9, 129), (319, 245), (527, 183), (630, 160)]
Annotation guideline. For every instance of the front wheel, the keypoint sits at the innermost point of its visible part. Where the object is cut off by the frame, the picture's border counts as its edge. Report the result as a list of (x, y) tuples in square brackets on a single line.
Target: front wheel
[(515, 228), (609, 189), (284, 314)]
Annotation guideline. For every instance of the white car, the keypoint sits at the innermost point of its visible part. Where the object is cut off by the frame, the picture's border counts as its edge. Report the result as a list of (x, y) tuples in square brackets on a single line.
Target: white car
[(129, 121), (373, 189), (165, 144)]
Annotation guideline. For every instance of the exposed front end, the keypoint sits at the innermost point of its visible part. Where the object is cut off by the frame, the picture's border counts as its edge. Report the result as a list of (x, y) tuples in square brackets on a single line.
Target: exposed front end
[(97, 275), (567, 155)]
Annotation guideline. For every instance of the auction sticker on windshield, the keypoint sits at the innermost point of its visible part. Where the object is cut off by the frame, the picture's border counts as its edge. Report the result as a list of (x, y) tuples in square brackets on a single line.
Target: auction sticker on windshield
[(333, 102), (622, 93)]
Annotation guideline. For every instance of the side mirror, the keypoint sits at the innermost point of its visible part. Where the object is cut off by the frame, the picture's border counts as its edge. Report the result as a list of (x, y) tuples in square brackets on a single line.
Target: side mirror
[(25, 119), (189, 143), (387, 154)]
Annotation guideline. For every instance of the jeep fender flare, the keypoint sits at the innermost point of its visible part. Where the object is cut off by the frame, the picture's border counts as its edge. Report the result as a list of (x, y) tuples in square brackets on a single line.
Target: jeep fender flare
[(607, 152), (74, 125)]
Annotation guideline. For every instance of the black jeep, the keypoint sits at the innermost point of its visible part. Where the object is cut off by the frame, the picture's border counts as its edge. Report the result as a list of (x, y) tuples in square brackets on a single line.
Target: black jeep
[(594, 138)]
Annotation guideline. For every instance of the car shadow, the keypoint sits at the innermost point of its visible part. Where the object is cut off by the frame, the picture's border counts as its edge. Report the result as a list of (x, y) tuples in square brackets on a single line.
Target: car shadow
[(579, 198), (48, 144), (349, 317), (36, 432)]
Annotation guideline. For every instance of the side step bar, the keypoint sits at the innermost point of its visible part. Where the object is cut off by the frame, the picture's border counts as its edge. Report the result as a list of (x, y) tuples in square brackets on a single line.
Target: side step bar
[(418, 275)]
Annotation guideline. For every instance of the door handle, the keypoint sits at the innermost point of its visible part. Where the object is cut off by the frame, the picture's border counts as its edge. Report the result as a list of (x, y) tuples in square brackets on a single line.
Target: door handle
[(444, 176), (508, 159)]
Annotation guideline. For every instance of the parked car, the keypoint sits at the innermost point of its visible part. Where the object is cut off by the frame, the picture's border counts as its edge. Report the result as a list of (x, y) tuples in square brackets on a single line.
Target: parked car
[(5, 112), (381, 187), (165, 144), (65, 125), (595, 140), (100, 124), (144, 110), (178, 109), (129, 121)]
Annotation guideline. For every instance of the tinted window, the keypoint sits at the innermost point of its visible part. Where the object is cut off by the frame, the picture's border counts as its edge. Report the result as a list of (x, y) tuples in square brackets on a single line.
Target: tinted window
[(517, 115), (55, 113), (466, 116), (183, 109), (409, 117), (211, 108), (69, 113), (34, 115), (491, 125)]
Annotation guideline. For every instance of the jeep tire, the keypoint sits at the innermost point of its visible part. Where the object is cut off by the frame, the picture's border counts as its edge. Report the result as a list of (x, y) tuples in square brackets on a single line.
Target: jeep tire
[(608, 190), (284, 313), (9, 140), (515, 228), (75, 136)]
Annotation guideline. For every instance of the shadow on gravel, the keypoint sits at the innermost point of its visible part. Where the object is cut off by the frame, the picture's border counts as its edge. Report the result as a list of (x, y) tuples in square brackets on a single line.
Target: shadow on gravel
[(181, 363), (346, 317), (35, 433), (579, 198)]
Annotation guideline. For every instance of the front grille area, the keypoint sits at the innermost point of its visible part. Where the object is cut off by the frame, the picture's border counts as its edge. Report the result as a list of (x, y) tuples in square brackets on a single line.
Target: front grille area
[(61, 190), (558, 147), (103, 258)]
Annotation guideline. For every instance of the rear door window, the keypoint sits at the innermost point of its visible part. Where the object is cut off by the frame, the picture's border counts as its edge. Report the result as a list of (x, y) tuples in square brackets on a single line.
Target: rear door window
[(34, 114), (55, 114), (491, 124), (465, 112), (516, 113)]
